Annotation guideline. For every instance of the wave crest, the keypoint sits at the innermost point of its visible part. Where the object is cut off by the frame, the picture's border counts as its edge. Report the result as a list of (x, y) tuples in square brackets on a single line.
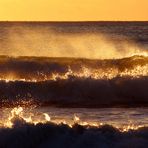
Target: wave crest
[(43, 69)]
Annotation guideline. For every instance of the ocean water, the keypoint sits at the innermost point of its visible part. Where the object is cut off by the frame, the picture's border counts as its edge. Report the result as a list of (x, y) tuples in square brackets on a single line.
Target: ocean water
[(78, 84), (117, 117)]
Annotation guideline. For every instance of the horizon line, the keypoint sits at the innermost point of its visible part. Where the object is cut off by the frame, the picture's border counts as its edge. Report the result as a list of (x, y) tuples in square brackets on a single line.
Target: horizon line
[(74, 21)]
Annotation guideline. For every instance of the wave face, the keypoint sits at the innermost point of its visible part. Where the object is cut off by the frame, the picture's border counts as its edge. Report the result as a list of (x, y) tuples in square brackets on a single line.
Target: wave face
[(51, 135), (74, 82)]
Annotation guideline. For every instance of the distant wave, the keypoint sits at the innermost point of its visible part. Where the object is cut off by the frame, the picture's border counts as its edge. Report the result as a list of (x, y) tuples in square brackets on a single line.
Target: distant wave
[(24, 135), (94, 40)]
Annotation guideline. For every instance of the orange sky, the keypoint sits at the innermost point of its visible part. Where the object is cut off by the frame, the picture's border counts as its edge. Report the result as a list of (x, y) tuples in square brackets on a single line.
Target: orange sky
[(73, 10)]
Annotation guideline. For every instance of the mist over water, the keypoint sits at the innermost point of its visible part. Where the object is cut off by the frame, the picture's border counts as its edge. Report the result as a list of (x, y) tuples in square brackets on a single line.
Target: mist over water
[(70, 40)]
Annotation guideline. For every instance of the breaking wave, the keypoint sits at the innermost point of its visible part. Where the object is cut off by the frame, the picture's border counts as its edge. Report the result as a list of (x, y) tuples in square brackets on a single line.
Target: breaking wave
[(74, 82), (78, 92), (43, 69), (24, 135), (22, 130)]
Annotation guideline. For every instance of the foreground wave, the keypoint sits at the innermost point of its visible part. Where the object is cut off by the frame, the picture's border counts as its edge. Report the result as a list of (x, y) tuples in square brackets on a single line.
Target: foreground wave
[(19, 130), (24, 135)]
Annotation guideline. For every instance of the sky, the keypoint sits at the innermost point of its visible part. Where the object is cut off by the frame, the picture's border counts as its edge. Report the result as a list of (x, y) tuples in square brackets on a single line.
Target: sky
[(73, 10)]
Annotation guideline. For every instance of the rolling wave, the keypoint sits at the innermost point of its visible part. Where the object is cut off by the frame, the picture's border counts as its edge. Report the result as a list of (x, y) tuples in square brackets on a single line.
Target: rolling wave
[(73, 82), (55, 136), (76, 92), (42, 69)]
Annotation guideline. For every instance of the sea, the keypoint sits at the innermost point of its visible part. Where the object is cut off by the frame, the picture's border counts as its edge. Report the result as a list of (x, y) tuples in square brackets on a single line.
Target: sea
[(74, 84)]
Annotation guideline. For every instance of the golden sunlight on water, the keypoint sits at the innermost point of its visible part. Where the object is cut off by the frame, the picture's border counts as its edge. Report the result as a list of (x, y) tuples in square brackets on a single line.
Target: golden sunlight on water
[(87, 72), (22, 116)]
